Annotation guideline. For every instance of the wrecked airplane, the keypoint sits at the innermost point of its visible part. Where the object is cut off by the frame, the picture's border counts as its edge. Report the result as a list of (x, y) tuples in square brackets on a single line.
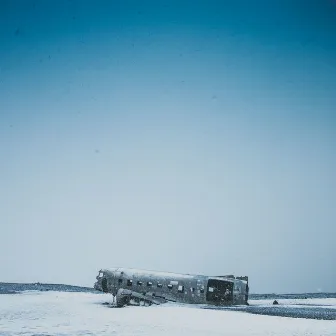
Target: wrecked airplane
[(139, 287)]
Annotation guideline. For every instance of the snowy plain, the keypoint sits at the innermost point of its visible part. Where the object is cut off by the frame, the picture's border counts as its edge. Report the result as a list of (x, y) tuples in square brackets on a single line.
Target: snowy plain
[(66, 313)]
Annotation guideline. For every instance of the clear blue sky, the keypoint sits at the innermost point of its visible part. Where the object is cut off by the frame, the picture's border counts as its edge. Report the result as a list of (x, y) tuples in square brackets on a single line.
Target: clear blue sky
[(185, 136)]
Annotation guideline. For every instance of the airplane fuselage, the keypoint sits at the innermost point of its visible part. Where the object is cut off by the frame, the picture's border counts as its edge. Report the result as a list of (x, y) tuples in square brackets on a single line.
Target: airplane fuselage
[(184, 288)]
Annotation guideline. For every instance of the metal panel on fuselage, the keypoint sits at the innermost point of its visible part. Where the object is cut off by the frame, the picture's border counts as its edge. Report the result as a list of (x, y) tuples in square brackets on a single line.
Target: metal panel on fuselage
[(239, 292), (171, 286)]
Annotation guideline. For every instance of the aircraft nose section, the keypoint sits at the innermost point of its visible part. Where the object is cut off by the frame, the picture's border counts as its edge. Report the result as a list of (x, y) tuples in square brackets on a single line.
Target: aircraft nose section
[(98, 284)]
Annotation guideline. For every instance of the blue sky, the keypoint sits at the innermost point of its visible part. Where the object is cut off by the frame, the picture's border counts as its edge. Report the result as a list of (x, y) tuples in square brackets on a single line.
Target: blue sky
[(193, 136)]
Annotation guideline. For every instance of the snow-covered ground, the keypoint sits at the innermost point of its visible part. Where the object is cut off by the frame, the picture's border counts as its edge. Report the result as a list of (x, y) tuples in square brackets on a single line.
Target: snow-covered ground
[(64, 313)]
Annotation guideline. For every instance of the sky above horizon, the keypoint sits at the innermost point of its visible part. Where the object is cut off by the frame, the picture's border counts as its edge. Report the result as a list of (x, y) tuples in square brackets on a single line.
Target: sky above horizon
[(191, 136)]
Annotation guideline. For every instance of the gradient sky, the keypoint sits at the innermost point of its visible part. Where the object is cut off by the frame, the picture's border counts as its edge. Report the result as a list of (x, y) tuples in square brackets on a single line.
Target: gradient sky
[(185, 136)]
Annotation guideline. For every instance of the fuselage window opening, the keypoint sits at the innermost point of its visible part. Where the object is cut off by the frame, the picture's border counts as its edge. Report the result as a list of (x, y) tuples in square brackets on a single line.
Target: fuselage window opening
[(159, 285), (192, 289), (139, 283), (129, 282), (180, 289), (170, 286), (202, 290), (149, 284)]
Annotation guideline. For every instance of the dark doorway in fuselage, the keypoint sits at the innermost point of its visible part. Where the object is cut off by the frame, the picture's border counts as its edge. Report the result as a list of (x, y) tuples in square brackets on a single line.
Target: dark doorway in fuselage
[(219, 292), (104, 285)]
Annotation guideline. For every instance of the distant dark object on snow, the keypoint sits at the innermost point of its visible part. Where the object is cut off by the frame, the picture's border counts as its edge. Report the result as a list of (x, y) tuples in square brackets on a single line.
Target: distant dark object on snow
[(275, 302)]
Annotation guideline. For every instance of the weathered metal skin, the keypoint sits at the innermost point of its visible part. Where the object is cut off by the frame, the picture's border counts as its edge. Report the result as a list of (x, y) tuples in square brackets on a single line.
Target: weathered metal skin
[(128, 285)]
